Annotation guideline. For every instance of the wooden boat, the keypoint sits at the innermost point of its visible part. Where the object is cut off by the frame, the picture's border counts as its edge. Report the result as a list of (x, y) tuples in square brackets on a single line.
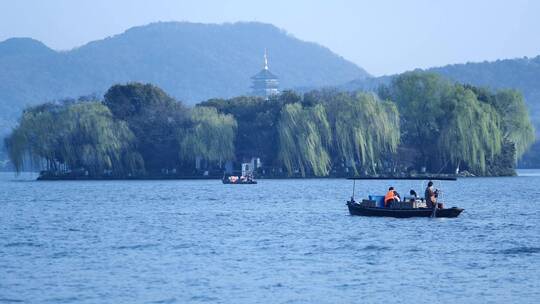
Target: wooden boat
[(357, 209), (238, 180), (412, 207)]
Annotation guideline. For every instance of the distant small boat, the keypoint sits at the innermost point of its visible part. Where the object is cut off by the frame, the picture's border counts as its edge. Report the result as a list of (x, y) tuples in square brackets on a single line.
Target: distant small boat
[(238, 180), (357, 209)]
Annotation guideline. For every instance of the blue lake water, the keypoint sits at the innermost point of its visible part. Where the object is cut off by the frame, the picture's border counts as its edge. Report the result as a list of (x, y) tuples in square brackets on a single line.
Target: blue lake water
[(281, 241)]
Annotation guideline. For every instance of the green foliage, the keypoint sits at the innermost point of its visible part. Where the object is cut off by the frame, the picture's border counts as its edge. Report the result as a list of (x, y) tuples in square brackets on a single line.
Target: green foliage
[(75, 136), (357, 131), (140, 130), (521, 74), (515, 121), (211, 136), (365, 130), (471, 134), (304, 136), (421, 99), (154, 118), (257, 119), (451, 125), (147, 131), (504, 163)]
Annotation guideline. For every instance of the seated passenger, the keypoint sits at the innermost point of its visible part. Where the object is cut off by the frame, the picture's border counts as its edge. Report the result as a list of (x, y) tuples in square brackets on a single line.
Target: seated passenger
[(413, 195), (391, 197)]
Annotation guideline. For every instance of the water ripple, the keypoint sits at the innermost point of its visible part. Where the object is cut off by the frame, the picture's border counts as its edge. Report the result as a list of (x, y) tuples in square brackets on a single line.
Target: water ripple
[(281, 241), (22, 244), (520, 250)]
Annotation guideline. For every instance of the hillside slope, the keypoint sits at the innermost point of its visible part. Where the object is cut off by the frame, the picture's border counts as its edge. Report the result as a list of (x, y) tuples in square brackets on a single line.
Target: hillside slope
[(191, 61)]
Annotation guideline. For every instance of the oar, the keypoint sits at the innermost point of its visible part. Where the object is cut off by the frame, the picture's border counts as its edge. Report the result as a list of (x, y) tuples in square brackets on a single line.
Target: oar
[(352, 196), (435, 204)]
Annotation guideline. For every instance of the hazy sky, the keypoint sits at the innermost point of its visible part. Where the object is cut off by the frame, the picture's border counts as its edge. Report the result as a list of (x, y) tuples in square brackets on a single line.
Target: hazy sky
[(384, 37)]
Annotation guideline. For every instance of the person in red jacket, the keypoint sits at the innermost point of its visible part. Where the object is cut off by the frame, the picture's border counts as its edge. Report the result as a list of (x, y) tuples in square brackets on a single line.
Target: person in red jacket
[(391, 197)]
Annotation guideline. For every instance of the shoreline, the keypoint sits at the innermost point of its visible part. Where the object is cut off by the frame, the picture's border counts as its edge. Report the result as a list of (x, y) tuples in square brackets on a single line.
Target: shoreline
[(53, 179), (36, 177)]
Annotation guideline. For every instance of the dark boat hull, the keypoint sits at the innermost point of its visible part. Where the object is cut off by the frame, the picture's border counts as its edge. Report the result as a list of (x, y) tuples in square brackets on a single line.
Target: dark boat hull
[(356, 209), (239, 183)]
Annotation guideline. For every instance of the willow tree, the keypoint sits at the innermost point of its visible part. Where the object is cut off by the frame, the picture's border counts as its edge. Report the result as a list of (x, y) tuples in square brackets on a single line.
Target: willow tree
[(35, 139), (422, 103), (74, 136), (304, 137), (210, 136), (450, 124), (96, 142), (515, 123), (365, 129), (472, 134)]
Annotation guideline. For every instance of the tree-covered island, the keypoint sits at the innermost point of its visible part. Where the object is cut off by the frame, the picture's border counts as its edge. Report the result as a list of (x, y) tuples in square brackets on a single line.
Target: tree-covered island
[(421, 122)]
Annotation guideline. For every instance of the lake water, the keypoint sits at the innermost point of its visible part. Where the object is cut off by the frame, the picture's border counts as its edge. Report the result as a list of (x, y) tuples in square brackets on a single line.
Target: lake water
[(281, 241)]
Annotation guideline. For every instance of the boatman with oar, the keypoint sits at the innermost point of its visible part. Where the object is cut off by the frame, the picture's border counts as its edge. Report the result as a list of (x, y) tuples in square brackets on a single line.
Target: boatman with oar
[(431, 195)]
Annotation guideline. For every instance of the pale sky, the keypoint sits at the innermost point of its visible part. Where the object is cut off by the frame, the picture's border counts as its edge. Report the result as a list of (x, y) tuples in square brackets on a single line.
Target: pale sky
[(384, 37)]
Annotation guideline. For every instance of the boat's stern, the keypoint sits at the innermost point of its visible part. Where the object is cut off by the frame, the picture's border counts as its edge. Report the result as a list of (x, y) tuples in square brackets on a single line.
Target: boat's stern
[(449, 212)]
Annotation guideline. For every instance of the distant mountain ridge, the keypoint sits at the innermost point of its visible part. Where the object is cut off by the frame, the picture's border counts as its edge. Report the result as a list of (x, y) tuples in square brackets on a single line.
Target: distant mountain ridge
[(190, 61)]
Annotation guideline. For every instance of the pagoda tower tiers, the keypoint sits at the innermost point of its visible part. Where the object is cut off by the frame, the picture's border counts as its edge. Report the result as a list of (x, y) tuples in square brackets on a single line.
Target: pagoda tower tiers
[(265, 84)]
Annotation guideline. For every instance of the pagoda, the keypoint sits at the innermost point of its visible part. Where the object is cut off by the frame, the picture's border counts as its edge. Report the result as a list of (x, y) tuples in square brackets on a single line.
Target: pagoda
[(265, 84)]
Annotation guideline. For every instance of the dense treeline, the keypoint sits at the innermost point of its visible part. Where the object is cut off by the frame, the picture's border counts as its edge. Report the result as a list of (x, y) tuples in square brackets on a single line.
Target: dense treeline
[(418, 122), (352, 131), (319, 133), (81, 135), (138, 130), (521, 74), (453, 126)]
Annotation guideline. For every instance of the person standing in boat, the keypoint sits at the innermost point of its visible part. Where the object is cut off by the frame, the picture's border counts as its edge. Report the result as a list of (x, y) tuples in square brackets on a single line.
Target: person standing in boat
[(391, 197), (431, 194)]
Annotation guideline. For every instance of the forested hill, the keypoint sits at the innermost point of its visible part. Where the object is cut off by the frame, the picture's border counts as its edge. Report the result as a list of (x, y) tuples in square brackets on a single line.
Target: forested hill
[(191, 61), (522, 74)]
